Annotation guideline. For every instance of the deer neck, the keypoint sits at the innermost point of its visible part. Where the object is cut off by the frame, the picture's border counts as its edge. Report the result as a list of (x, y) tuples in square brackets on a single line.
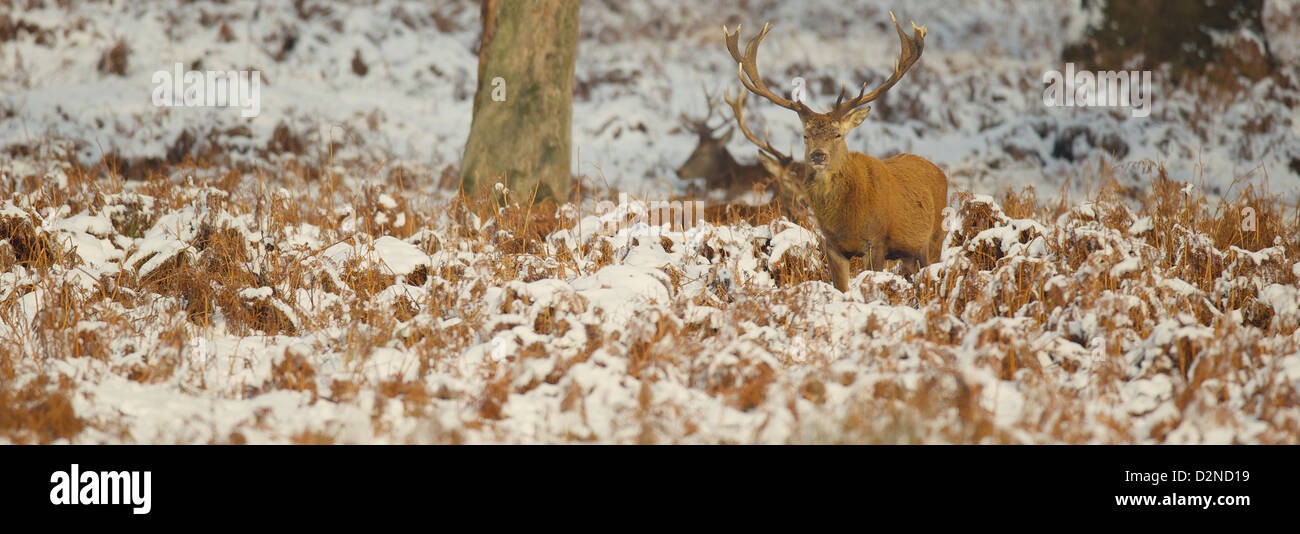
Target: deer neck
[(837, 193), (751, 173), (740, 174), (728, 165)]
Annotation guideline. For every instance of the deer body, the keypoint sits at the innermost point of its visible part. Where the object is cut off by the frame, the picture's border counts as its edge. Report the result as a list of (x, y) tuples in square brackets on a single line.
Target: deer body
[(865, 209), (720, 170), (712, 161), (890, 209)]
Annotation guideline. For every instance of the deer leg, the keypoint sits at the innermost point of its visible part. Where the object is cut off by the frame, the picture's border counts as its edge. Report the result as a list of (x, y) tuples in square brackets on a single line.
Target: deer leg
[(935, 250), (875, 256), (839, 270), (908, 265)]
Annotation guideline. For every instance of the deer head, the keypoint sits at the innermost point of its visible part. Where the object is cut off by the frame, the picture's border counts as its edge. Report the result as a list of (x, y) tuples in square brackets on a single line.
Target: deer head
[(823, 133), (710, 157)]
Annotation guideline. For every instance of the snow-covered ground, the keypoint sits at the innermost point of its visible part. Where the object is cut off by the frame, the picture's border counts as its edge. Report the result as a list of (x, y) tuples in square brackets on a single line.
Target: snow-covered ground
[(268, 305)]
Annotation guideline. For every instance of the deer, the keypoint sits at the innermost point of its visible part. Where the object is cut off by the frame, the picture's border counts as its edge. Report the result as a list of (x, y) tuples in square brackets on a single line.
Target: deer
[(865, 207), (711, 160)]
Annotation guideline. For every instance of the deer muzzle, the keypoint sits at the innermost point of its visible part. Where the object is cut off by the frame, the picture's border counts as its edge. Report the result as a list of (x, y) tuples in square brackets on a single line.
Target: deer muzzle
[(817, 158)]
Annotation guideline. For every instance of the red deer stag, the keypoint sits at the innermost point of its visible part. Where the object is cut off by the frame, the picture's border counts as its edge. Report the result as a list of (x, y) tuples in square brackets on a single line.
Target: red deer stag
[(880, 210), (711, 160)]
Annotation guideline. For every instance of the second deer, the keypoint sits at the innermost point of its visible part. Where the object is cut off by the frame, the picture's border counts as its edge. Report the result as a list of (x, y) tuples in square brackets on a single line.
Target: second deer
[(890, 209), (711, 160)]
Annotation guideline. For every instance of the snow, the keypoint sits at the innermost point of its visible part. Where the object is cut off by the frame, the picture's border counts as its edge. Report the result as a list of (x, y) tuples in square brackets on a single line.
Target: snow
[(621, 290), (398, 257), (794, 239), (97, 226), (1141, 226), (256, 293), (169, 236), (1127, 266)]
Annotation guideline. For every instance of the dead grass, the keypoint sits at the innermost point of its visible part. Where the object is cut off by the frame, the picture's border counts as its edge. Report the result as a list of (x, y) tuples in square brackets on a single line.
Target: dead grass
[(38, 412), (294, 373), (113, 61), (311, 437), (24, 246)]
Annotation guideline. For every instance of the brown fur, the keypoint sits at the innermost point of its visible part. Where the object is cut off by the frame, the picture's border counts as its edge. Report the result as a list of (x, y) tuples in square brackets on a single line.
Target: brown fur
[(880, 209), (712, 161)]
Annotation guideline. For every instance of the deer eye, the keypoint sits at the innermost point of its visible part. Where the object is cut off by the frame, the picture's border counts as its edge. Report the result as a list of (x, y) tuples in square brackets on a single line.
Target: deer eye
[(837, 136)]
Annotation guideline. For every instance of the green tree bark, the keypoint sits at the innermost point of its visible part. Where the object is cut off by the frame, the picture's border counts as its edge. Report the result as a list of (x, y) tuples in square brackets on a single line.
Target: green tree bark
[(523, 107)]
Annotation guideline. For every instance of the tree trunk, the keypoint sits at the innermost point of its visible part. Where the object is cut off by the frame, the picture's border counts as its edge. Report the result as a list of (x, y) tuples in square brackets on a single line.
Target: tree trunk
[(523, 107)]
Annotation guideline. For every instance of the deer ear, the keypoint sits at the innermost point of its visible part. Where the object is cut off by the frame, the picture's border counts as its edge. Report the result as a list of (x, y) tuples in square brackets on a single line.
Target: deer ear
[(857, 117)]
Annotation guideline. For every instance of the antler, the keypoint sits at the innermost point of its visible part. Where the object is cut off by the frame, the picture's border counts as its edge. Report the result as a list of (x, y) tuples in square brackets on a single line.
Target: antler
[(747, 69), (787, 181), (701, 126), (911, 51), (738, 109)]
